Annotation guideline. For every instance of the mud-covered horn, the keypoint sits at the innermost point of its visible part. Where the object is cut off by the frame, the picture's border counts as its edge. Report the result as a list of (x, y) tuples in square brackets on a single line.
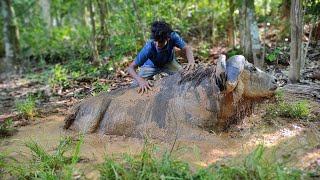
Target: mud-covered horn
[(235, 66), (221, 75)]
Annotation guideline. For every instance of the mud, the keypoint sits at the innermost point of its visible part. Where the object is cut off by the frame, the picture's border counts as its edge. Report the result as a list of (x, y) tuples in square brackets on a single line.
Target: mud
[(295, 140)]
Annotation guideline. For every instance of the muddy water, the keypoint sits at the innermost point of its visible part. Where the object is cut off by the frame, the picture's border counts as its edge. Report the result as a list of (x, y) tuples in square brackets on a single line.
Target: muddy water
[(299, 141)]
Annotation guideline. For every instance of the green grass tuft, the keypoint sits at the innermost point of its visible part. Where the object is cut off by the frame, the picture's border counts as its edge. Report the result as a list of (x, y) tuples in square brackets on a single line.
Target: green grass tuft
[(146, 166), (283, 108), (42, 164), (27, 107), (6, 128)]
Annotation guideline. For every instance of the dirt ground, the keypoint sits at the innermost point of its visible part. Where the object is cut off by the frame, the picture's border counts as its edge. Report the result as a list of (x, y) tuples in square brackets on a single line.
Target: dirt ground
[(293, 139)]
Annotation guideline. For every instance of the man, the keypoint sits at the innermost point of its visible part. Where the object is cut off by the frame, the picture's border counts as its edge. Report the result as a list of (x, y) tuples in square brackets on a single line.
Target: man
[(158, 55)]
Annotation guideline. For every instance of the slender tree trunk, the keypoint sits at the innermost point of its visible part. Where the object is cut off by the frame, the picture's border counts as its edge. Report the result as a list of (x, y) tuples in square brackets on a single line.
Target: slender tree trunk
[(103, 25), (83, 18), (141, 21), (213, 25), (95, 56), (231, 28), (10, 37), (249, 34), (296, 40), (45, 10)]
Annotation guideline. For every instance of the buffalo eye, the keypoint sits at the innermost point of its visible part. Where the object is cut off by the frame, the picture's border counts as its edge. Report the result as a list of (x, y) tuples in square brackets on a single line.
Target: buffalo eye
[(253, 69)]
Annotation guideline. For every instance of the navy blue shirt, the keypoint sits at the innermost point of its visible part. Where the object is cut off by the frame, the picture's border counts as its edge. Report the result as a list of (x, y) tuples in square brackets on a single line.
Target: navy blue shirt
[(152, 56)]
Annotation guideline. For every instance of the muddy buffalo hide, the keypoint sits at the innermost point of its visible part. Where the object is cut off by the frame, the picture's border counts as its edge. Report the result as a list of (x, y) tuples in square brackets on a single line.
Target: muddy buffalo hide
[(179, 103)]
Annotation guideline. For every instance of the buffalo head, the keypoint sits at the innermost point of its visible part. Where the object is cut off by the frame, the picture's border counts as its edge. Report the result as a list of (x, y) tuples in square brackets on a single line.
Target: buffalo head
[(240, 77)]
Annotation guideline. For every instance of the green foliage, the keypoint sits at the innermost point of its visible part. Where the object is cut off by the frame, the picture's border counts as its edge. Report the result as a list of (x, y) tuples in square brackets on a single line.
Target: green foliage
[(255, 166), (233, 52), (204, 49), (44, 165), (59, 76), (283, 108), (98, 87), (27, 107), (145, 165), (273, 56), (5, 129)]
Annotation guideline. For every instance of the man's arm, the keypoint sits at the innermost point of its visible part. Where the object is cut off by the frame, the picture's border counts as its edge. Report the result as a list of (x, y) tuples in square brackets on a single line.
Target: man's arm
[(189, 54), (144, 85)]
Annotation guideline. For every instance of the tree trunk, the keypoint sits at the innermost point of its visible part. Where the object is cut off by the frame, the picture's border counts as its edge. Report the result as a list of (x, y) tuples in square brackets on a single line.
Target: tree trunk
[(10, 37), (231, 34), (103, 25), (249, 34), (45, 10), (83, 18), (296, 40), (213, 25), (95, 56)]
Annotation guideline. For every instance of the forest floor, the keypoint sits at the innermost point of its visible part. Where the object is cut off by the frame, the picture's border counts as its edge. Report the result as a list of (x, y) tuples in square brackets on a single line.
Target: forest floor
[(292, 139)]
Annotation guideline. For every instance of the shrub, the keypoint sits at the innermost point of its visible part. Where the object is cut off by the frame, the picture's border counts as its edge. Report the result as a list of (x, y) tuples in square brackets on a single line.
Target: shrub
[(59, 76)]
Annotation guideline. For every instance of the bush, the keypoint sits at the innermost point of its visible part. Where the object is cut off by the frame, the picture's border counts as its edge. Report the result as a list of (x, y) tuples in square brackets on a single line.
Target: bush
[(59, 76)]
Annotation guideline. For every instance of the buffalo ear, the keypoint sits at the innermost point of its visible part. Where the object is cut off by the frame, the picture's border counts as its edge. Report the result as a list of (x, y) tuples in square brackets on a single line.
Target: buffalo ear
[(221, 74), (235, 66)]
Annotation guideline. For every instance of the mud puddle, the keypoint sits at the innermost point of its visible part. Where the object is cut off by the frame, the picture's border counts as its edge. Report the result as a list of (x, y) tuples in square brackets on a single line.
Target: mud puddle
[(296, 141)]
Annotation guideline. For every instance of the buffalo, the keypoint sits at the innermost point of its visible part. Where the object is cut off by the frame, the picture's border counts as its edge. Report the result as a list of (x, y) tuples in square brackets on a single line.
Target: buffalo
[(209, 98)]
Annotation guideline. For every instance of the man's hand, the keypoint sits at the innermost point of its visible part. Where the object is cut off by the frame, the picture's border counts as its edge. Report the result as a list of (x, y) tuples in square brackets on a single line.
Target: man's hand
[(190, 66), (144, 86)]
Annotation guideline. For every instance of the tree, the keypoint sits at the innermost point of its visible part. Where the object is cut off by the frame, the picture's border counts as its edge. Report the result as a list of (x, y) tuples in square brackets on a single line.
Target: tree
[(103, 26), (231, 26), (296, 40), (45, 10), (10, 37), (249, 34), (95, 55)]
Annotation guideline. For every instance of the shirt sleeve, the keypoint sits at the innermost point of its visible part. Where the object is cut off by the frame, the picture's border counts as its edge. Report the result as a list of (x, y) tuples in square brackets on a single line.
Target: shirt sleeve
[(142, 57), (177, 40)]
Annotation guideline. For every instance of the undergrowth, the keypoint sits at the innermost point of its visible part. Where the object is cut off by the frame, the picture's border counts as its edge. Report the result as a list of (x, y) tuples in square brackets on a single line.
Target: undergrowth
[(146, 166), (6, 128), (283, 108), (26, 107), (42, 164)]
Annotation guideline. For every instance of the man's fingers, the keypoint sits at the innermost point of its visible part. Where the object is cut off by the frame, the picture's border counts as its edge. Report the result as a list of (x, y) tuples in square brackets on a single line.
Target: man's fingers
[(189, 67)]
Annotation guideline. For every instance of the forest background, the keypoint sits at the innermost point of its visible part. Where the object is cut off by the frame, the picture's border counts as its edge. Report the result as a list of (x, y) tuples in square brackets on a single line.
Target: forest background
[(94, 36)]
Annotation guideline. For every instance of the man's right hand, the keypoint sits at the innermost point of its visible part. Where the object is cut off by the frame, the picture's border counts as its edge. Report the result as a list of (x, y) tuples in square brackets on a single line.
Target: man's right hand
[(144, 86)]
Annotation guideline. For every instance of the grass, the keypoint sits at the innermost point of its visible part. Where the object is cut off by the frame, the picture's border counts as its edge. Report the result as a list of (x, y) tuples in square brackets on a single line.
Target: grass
[(6, 128), (26, 107), (42, 164), (282, 108), (146, 166)]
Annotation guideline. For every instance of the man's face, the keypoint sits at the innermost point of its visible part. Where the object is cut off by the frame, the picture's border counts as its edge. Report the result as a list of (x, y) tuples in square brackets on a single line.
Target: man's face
[(160, 44)]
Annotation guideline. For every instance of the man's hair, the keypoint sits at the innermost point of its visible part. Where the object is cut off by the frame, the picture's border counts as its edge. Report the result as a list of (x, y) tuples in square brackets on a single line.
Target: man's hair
[(160, 31)]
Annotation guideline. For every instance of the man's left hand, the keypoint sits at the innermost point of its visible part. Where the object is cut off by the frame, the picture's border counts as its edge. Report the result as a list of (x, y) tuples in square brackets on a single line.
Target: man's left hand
[(190, 66)]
